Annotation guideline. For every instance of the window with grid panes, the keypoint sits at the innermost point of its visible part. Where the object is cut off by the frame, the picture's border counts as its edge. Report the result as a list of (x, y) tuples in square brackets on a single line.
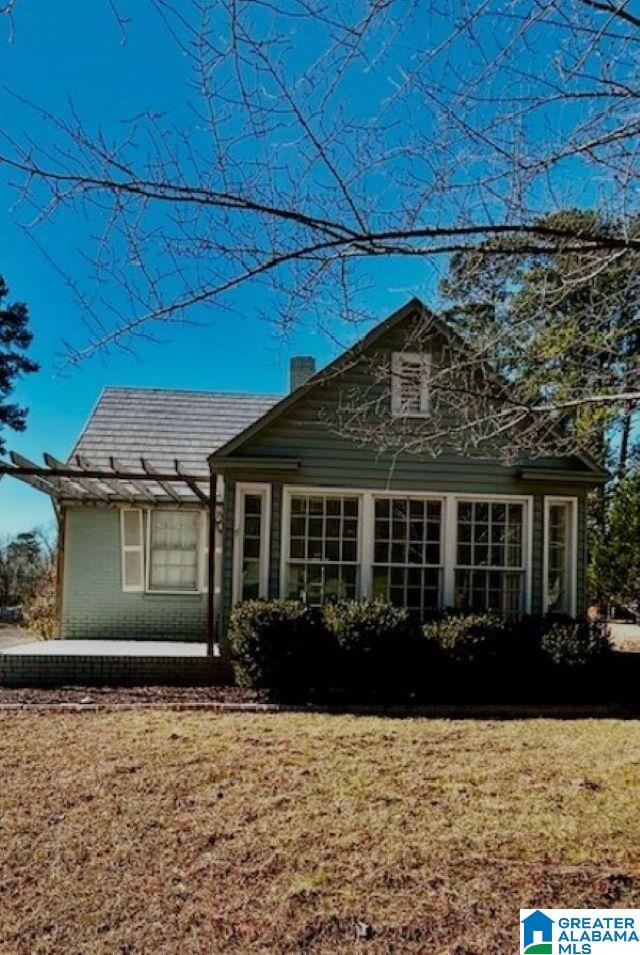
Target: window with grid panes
[(323, 559), (173, 550), (407, 552), (251, 546), (558, 558), (489, 573)]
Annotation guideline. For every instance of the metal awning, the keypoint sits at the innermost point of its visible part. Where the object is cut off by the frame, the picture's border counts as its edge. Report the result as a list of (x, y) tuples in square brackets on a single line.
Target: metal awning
[(83, 480)]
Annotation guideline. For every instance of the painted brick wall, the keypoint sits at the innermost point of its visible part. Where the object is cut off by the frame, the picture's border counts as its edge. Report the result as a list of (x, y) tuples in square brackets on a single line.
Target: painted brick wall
[(23, 670), (94, 605)]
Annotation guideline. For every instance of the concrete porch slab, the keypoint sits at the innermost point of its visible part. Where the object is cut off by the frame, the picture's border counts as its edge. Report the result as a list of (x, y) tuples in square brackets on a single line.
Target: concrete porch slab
[(106, 648)]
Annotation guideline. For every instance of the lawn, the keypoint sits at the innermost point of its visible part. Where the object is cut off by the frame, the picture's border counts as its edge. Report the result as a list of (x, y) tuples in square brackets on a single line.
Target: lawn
[(195, 832)]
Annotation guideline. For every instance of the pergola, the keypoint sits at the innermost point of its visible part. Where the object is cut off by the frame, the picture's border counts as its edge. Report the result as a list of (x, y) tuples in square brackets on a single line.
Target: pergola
[(81, 480)]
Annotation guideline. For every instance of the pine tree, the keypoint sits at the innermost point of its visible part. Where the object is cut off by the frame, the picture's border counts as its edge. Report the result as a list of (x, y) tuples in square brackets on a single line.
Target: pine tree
[(15, 339)]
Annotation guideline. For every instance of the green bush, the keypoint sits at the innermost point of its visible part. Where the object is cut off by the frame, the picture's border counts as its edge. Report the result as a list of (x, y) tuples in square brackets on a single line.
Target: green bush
[(380, 649), (575, 644), (371, 650), (282, 646), (472, 640)]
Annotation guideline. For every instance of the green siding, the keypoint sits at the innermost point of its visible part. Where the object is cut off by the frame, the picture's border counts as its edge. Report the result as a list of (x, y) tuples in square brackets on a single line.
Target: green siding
[(331, 460), (94, 605)]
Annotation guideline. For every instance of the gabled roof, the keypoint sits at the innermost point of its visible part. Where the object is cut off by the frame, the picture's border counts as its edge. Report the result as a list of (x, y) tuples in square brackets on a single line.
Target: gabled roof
[(163, 424), (414, 306)]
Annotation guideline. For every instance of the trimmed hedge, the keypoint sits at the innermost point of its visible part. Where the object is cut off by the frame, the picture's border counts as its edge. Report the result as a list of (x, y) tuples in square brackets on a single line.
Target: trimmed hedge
[(282, 646), (370, 650), (471, 640), (380, 651)]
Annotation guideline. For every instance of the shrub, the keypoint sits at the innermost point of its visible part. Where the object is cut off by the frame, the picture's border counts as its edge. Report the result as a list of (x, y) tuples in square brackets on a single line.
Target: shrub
[(280, 645), (381, 651), (472, 640), (575, 644), (41, 617)]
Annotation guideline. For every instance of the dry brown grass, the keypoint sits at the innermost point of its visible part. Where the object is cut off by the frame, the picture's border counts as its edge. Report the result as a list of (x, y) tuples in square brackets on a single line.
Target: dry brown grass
[(194, 832)]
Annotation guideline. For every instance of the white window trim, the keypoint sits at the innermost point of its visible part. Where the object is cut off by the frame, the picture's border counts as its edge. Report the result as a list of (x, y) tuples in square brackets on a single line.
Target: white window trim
[(425, 360), (264, 490), (198, 589), (549, 501), (132, 548), (449, 501)]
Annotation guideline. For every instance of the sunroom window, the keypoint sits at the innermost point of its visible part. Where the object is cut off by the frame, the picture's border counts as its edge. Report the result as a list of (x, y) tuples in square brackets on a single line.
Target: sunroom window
[(407, 554), (252, 507), (560, 556), (323, 547), (173, 550), (490, 563)]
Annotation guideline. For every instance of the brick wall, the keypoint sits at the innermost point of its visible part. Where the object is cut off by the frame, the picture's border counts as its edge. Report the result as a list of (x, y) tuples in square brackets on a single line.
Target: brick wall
[(94, 605), (28, 671)]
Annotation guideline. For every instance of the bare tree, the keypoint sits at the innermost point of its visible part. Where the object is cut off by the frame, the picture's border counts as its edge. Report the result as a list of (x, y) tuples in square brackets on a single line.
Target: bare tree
[(322, 139)]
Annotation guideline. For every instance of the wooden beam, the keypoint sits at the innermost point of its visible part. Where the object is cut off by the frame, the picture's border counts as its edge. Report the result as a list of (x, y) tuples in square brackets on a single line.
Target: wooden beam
[(90, 485), (38, 477), (191, 482), (139, 485), (150, 470), (113, 485), (125, 475)]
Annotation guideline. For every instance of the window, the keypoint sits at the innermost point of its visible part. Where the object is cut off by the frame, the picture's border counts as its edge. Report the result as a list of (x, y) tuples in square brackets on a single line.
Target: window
[(410, 373), (323, 547), (560, 555), (174, 538), (251, 579), (407, 552), (490, 564), (132, 550), (419, 551)]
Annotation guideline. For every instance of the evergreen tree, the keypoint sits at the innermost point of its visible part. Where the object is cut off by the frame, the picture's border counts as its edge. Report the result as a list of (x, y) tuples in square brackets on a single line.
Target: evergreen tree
[(15, 339), (614, 569)]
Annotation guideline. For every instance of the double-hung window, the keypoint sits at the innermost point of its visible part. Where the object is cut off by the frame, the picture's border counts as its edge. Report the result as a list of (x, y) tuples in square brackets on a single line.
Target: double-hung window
[(323, 544), (407, 552), (490, 556), (174, 547)]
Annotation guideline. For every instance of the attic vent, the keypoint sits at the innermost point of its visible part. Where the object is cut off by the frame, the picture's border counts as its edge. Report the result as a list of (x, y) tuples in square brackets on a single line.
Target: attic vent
[(410, 373)]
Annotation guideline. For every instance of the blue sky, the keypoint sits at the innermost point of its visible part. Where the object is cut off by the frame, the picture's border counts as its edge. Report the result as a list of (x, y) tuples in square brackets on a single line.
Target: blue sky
[(73, 50)]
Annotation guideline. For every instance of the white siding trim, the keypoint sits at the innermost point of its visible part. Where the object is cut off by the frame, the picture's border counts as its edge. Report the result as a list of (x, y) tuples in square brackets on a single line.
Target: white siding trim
[(449, 541), (549, 501), (264, 490), (448, 532)]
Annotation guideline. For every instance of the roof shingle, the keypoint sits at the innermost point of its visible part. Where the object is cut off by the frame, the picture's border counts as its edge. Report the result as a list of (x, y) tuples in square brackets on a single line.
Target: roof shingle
[(164, 424)]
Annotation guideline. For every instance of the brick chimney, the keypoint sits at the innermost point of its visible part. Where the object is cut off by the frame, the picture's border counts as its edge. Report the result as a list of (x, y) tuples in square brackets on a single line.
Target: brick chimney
[(302, 368)]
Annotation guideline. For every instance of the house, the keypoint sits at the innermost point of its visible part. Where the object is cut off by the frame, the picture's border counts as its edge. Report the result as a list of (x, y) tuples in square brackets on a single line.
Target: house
[(297, 508), (537, 933)]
